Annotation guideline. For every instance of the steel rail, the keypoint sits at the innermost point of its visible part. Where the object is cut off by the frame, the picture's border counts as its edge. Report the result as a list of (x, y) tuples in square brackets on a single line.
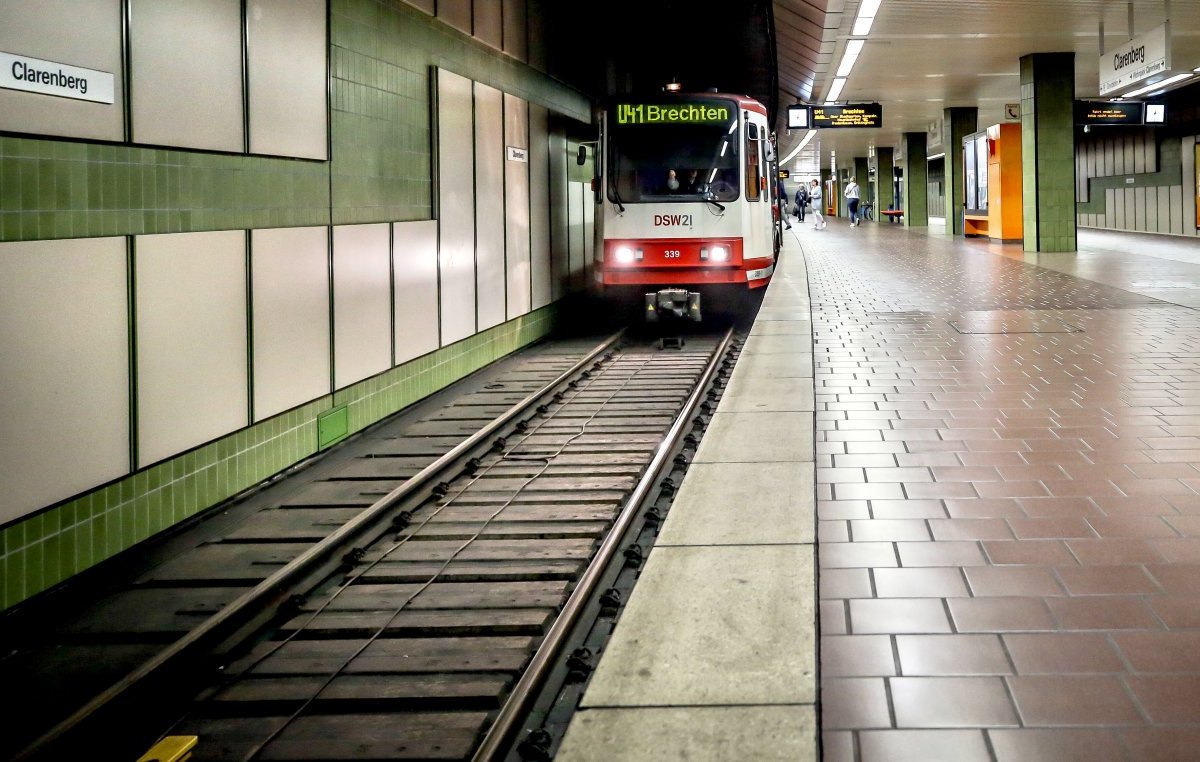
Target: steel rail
[(226, 621), (499, 735)]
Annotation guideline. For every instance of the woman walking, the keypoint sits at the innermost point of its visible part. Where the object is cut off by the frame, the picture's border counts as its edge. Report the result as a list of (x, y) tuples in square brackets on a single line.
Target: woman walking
[(814, 200)]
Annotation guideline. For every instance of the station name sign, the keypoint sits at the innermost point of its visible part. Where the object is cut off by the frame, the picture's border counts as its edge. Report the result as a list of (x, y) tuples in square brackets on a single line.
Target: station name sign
[(1108, 113), (1142, 57), (673, 113), (850, 115), (33, 75)]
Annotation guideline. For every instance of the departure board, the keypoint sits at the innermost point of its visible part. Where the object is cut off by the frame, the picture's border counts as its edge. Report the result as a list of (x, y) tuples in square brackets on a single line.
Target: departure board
[(1108, 112), (849, 115)]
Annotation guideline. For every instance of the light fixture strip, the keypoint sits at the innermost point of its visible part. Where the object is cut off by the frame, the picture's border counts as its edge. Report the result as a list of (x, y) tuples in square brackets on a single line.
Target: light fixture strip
[(853, 48), (1157, 85), (867, 10), (836, 90)]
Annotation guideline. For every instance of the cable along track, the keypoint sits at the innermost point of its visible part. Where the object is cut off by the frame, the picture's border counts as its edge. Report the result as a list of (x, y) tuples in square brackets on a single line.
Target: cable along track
[(409, 639)]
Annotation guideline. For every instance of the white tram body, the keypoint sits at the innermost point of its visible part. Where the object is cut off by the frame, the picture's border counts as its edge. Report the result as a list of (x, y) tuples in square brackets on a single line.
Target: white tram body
[(687, 192)]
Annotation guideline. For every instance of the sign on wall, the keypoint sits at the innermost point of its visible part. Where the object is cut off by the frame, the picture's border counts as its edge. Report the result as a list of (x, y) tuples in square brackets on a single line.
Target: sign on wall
[(1142, 57), (34, 75)]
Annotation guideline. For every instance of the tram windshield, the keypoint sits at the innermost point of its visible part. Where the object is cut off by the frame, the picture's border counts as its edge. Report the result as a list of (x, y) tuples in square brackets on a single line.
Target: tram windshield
[(673, 150)]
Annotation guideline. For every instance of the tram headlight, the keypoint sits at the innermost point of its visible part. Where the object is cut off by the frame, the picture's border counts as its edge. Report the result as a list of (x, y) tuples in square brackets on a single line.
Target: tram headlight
[(719, 254), (624, 255)]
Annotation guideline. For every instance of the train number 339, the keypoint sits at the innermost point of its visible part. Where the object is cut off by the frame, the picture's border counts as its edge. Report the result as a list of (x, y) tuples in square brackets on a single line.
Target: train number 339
[(661, 220), (672, 254)]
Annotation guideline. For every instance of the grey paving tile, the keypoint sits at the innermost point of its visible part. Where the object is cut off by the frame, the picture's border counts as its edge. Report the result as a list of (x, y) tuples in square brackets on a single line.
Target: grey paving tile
[(742, 504)]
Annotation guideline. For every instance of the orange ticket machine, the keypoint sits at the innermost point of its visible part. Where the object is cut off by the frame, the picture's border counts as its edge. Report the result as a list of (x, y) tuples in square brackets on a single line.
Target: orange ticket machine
[(992, 173)]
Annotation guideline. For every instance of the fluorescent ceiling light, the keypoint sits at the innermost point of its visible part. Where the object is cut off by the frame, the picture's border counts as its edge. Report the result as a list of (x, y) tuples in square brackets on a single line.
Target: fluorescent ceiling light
[(836, 90), (1157, 85), (866, 16), (853, 48)]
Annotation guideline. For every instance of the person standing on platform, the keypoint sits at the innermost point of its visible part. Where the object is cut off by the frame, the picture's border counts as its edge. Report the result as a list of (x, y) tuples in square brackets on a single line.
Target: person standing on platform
[(852, 201), (814, 199), (781, 197), (801, 201)]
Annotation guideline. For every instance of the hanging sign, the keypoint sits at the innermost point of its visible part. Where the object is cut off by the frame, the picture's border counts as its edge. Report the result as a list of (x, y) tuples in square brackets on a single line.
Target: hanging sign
[(1106, 112), (1142, 57), (850, 115), (33, 75)]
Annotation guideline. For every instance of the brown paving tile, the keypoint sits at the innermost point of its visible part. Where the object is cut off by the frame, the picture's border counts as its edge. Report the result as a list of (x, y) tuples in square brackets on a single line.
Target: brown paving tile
[(1182, 579), (862, 461), (907, 509), (992, 581), (943, 553), (1033, 529), (1094, 471), (1162, 744), (923, 746), (951, 702), (1106, 580), (833, 617), (928, 459), (1177, 611), (970, 529), (894, 615), (1000, 614), (1167, 698), (842, 555), (1029, 552), (1188, 526), (1186, 504), (1174, 652), (843, 509), (837, 746), (844, 583), (1057, 458), (1153, 486), (854, 702), (899, 475), (1062, 652), (1027, 473), (1163, 470), (991, 459), (1185, 550), (967, 474), (857, 656), (1057, 745), (1057, 507), (868, 492), (939, 490), (839, 475), (981, 508), (1011, 489), (1081, 487), (1103, 613), (926, 655), (1114, 550), (889, 530), (931, 582), (833, 531), (1072, 700)]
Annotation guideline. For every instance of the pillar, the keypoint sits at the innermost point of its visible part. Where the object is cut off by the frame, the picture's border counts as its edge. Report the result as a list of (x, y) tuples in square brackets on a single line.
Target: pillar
[(885, 182), (862, 175), (958, 122), (916, 180), (1048, 151), (825, 200)]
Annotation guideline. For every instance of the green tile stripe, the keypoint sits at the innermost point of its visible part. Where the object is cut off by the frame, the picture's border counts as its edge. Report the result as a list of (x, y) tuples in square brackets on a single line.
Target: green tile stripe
[(52, 546), (1170, 172)]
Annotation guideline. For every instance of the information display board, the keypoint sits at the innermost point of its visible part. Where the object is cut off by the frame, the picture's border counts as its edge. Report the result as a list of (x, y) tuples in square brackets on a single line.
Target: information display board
[(1108, 112), (848, 115)]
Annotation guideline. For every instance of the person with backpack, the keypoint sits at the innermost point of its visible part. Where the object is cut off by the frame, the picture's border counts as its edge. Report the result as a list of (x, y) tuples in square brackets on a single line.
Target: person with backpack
[(801, 201), (814, 200)]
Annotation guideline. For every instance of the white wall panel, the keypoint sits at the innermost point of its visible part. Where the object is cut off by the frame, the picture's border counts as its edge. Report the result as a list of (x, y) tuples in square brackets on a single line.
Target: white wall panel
[(191, 340), (187, 73), (539, 207), (516, 41), (486, 22), (90, 39), (456, 207), (560, 246), (1189, 190), (577, 234), (1110, 207), (1130, 212), (286, 50), (362, 302), (1152, 209), (289, 294), (1179, 224), (415, 262), (516, 207), (1139, 209), (489, 205), (64, 410), (456, 13)]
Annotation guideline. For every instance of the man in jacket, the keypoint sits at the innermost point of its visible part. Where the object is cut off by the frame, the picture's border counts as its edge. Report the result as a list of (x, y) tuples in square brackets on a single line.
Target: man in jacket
[(801, 201)]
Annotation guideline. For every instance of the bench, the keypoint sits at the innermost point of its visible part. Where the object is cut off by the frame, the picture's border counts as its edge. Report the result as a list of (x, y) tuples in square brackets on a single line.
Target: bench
[(894, 215)]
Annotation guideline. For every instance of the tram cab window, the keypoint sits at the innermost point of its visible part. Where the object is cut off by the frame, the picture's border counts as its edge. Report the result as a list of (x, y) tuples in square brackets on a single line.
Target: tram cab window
[(676, 162)]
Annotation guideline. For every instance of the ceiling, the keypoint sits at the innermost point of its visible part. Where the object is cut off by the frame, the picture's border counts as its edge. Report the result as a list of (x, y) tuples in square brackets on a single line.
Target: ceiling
[(923, 56), (919, 58)]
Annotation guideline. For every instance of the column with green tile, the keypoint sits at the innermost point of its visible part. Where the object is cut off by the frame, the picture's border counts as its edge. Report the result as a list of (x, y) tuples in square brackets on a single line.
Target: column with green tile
[(958, 122), (1048, 151), (885, 171), (916, 180), (826, 175), (862, 176)]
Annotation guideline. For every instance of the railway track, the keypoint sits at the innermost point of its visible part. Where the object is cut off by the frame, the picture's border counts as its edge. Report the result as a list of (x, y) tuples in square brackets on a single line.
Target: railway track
[(417, 600)]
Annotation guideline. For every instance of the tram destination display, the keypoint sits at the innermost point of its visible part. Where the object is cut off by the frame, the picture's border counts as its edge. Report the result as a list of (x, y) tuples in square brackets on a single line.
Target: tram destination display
[(848, 115)]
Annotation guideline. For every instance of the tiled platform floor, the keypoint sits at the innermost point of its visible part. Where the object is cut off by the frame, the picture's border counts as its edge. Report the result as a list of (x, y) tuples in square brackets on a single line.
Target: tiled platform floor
[(1008, 495)]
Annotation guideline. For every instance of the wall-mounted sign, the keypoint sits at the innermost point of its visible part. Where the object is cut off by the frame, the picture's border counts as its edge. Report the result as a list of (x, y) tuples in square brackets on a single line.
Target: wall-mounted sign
[(785, 174), (1143, 56), (1156, 113), (517, 154), (33, 75), (799, 117), (850, 115), (1107, 112), (1012, 112)]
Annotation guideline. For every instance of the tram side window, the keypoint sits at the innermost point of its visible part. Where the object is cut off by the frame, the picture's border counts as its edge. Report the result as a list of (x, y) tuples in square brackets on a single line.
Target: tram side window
[(753, 165)]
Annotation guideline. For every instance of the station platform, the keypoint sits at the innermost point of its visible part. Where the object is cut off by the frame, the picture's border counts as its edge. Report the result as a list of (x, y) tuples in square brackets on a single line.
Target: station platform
[(1004, 450)]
